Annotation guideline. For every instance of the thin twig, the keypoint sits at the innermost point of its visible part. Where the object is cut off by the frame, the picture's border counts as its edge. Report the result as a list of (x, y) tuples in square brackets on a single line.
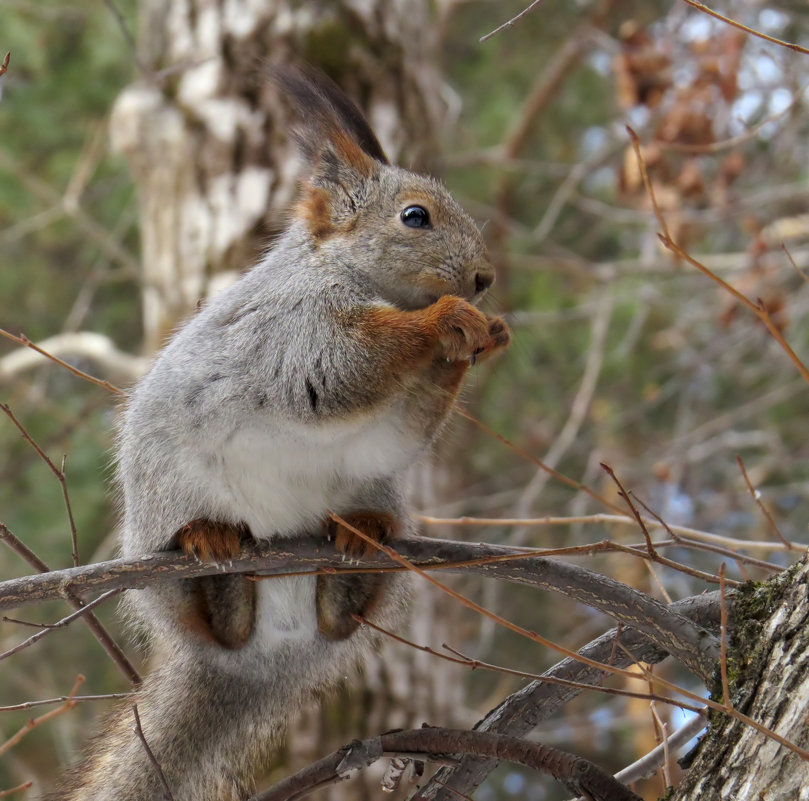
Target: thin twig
[(577, 485), (756, 496), (93, 623), (716, 15), (622, 519), (664, 741), (733, 712), (138, 729), (797, 269), (646, 182), (23, 786), (60, 624), (510, 22), (23, 340), (34, 722), (461, 659), (4, 65), (62, 698), (73, 536), (710, 578), (60, 477), (633, 510), (647, 764), (759, 309)]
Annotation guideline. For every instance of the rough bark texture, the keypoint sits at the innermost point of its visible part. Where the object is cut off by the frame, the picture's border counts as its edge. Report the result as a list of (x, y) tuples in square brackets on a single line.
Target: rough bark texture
[(768, 668), (215, 174)]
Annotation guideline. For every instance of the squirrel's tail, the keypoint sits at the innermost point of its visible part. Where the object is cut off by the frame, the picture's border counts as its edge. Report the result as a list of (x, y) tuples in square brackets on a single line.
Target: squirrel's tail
[(210, 718), (208, 730), (205, 731)]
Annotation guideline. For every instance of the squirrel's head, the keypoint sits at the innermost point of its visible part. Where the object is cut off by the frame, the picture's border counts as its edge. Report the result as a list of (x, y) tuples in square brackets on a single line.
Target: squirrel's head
[(402, 231)]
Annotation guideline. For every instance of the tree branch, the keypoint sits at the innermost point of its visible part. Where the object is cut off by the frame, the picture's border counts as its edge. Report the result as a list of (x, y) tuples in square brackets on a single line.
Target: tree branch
[(693, 646), (538, 701), (575, 773)]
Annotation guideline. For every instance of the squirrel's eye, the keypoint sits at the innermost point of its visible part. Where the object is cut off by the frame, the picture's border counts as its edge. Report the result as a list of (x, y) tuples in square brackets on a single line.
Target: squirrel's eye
[(416, 217)]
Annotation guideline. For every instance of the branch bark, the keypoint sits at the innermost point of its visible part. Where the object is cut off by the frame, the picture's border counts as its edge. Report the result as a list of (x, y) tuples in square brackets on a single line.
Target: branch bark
[(524, 710), (768, 665), (577, 774), (690, 644)]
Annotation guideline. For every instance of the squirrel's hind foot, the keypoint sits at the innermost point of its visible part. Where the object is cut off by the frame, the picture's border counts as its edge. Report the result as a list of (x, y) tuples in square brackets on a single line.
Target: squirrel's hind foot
[(210, 540), (379, 526)]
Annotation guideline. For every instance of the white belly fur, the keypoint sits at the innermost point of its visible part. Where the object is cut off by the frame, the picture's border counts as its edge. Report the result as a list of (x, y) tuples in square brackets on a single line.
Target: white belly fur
[(285, 480)]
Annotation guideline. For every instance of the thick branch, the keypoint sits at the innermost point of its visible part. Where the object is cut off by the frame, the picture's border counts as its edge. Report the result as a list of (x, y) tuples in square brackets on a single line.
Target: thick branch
[(577, 774), (693, 646), (538, 701)]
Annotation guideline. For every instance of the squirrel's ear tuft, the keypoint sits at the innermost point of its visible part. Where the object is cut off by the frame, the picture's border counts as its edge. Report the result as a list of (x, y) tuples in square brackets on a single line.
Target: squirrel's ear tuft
[(337, 141), (327, 117)]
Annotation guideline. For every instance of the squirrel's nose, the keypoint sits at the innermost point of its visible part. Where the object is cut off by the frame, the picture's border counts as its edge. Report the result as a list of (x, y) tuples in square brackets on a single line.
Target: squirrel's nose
[(483, 281)]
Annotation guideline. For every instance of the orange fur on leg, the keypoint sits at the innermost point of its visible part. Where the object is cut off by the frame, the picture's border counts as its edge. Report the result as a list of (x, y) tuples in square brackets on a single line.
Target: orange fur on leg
[(211, 541), (379, 526)]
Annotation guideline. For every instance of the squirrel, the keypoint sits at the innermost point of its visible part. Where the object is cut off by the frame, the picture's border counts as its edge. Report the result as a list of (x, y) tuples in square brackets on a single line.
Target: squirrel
[(307, 387)]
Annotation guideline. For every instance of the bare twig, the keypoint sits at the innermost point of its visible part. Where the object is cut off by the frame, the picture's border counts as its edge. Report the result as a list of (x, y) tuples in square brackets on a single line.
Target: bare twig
[(34, 722), (5, 63), (60, 624), (648, 764), (646, 182), (797, 269), (23, 340), (93, 623), (625, 495), (716, 15), (461, 659), (758, 308), (730, 710), (77, 699), (17, 789), (60, 476), (756, 496), (621, 519), (539, 701), (510, 22), (138, 729), (577, 485)]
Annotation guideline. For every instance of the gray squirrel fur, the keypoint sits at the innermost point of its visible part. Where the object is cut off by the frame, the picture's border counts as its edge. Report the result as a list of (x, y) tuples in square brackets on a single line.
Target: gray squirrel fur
[(309, 386)]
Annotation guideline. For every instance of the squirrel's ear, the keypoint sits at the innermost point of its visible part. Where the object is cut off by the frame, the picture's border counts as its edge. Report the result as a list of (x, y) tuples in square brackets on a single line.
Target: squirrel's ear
[(325, 114), (336, 140)]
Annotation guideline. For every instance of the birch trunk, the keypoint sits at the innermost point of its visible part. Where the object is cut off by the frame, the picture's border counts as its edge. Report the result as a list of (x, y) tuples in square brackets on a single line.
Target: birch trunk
[(203, 133), (768, 668)]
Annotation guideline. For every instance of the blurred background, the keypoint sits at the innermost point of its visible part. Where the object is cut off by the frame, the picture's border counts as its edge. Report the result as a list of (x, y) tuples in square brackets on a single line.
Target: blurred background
[(143, 164)]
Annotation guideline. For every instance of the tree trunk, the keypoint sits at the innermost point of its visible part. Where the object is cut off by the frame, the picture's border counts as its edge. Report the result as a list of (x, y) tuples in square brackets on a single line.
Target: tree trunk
[(206, 143), (204, 135), (768, 669)]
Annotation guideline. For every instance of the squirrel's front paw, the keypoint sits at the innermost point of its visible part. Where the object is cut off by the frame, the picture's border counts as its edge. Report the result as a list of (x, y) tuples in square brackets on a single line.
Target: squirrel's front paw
[(463, 330), (211, 541), (376, 525), (499, 338)]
